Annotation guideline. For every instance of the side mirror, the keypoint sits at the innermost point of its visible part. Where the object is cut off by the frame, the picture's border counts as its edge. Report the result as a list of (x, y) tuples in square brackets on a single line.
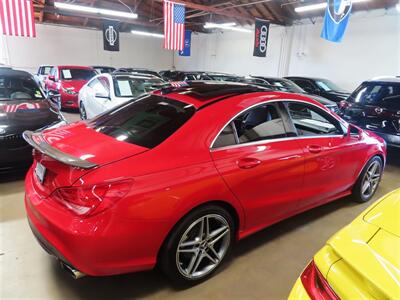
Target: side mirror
[(52, 77), (102, 96), (353, 132)]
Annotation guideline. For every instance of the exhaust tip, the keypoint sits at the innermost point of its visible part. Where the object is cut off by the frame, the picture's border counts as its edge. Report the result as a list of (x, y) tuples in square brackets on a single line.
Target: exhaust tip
[(74, 273)]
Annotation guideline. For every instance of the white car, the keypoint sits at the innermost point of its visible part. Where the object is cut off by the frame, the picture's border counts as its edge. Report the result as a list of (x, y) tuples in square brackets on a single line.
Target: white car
[(42, 73), (106, 91)]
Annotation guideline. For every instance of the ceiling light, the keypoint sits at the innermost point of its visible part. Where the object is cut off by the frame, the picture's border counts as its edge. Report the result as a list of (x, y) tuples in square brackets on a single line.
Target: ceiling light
[(228, 26), (145, 33), (94, 10), (318, 6), (398, 7)]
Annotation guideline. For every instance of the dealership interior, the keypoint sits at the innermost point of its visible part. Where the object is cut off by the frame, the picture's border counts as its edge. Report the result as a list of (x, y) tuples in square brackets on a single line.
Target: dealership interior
[(200, 149)]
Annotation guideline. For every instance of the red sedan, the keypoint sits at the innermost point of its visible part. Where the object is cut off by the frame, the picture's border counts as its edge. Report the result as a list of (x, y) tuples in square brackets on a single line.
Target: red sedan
[(174, 178)]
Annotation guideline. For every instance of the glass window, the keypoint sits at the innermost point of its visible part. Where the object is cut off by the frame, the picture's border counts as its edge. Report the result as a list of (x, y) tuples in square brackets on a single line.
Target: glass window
[(260, 123), (146, 122), (306, 85), (19, 88), (383, 94), (77, 74), (310, 121), (226, 137), (99, 87), (128, 86), (327, 85)]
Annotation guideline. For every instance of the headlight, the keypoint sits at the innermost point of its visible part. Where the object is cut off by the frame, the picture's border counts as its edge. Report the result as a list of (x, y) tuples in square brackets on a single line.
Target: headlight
[(69, 91)]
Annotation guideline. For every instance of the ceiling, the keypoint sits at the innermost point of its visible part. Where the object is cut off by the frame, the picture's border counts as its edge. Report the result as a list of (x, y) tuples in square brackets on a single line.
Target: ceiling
[(198, 12)]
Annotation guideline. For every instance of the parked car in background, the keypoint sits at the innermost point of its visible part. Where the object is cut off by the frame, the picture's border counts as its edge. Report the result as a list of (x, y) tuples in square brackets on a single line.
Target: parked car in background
[(103, 69), (138, 70), (173, 75), (361, 261), (175, 177), (286, 85), (106, 91), (23, 106), (321, 87), (375, 105), (67, 82), (222, 77), (42, 73)]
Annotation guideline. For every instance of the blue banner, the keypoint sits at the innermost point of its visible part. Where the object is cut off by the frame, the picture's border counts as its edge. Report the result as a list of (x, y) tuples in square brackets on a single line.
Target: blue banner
[(188, 41), (337, 16)]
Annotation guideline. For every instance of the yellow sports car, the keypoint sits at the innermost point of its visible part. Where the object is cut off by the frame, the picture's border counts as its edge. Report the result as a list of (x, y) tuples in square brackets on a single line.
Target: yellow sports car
[(361, 261)]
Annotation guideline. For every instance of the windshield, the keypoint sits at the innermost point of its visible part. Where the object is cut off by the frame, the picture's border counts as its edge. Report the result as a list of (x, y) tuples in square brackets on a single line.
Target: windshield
[(146, 122), (383, 94), (19, 88), (285, 85), (77, 74), (327, 85), (101, 70), (126, 86)]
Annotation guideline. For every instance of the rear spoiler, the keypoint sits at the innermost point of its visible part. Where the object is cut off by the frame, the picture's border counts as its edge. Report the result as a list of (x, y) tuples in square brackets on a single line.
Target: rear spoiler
[(41, 145)]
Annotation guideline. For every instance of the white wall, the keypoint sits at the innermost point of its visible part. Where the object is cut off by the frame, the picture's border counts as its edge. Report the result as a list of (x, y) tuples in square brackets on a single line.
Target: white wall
[(371, 48), (66, 45)]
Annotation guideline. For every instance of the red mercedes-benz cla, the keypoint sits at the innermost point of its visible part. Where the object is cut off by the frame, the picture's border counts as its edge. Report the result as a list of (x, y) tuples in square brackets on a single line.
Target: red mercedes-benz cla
[(175, 177)]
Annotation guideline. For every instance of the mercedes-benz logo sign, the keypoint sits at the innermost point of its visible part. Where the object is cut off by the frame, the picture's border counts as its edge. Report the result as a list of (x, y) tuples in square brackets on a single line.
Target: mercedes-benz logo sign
[(378, 110), (111, 35), (263, 39)]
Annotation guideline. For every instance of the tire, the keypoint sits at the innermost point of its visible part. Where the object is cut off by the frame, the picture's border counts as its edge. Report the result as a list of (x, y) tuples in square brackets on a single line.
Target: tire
[(197, 259), (82, 111), (368, 181)]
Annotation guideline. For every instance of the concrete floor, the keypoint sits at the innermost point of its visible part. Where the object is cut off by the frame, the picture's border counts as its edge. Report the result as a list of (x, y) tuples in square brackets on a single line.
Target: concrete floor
[(263, 266)]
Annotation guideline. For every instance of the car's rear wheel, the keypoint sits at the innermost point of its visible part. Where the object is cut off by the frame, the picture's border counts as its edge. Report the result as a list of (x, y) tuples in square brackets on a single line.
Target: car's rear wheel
[(198, 245), (368, 181), (82, 111)]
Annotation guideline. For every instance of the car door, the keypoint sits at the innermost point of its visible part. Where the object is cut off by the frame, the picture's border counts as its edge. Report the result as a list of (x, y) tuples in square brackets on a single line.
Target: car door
[(328, 154), (93, 103), (260, 163)]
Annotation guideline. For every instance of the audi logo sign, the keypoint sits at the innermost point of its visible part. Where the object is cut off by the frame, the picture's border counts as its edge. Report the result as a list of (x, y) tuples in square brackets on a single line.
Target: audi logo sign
[(263, 39), (260, 38)]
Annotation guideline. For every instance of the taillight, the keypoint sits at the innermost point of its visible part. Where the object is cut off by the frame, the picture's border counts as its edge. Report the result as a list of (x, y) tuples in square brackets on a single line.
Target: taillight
[(316, 285), (91, 199)]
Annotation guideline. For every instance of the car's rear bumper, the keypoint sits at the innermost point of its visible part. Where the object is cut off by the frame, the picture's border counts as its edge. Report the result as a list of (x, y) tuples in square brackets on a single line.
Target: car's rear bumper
[(98, 246), (298, 292), (69, 101)]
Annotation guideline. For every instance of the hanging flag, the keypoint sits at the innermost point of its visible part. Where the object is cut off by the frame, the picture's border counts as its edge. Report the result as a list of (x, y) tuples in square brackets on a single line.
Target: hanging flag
[(261, 38), (111, 35), (174, 25), (337, 16), (187, 43), (17, 18)]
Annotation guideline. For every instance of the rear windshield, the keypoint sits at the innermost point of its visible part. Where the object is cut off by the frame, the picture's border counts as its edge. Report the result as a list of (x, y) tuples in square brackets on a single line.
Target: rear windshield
[(19, 88), (382, 94), (77, 74), (146, 121)]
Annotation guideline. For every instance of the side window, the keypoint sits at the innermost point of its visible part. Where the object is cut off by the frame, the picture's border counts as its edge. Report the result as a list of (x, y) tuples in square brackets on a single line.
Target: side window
[(106, 84), (311, 121), (93, 82), (262, 122)]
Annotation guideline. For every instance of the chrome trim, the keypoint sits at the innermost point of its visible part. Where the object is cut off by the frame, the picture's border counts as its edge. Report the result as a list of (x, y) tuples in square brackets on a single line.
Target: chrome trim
[(45, 148), (286, 138)]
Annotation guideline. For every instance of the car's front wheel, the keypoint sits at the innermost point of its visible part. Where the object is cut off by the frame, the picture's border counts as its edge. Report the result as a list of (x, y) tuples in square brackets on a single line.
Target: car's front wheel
[(82, 111), (368, 180), (198, 245)]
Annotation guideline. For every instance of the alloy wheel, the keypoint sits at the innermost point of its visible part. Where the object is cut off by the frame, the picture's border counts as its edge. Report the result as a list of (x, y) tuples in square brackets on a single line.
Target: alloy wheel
[(203, 246), (371, 179)]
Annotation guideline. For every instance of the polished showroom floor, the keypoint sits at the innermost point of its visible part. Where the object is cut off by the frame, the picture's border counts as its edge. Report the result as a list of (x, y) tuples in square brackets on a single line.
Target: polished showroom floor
[(263, 266)]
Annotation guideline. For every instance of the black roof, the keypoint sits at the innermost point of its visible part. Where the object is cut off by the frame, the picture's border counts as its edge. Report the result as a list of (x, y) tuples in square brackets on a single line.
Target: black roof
[(134, 74), (4, 71), (303, 77), (213, 90)]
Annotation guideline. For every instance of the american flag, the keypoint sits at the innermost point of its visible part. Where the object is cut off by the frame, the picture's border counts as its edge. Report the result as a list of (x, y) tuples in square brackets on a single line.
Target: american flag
[(174, 25), (17, 18)]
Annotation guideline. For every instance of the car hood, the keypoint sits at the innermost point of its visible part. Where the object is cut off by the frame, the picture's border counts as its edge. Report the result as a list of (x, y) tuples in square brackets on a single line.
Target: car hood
[(76, 85), (368, 252), (19, 115)]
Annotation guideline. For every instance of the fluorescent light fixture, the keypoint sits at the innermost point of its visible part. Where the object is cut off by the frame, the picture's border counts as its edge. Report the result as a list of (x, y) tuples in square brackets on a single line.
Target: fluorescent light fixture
[(145, 33), (94, 10), (318, 6), (398, 7), (228, 26)]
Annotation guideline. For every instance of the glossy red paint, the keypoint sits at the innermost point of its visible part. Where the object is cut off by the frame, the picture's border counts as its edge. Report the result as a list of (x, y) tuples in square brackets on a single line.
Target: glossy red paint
[(59, 85), (262, 183)]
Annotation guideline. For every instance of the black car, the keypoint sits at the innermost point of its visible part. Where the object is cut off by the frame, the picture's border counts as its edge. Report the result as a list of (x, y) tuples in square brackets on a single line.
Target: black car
[(285, 85), (103, 69), (138, 70), (173, 75), (23, 106), (375, 105), (321, 87)]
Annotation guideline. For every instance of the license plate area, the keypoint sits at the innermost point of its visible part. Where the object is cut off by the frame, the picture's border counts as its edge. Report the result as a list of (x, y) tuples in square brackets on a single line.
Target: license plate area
[(40, 172)]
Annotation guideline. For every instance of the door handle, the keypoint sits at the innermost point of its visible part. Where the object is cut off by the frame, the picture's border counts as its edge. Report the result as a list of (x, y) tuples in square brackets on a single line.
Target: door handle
[(314, 148), (248, 163)]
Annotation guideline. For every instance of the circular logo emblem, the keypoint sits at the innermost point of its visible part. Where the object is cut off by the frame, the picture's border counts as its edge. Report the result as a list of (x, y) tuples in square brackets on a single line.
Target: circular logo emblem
[(111, 35), (378, 110), (263, 39)]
